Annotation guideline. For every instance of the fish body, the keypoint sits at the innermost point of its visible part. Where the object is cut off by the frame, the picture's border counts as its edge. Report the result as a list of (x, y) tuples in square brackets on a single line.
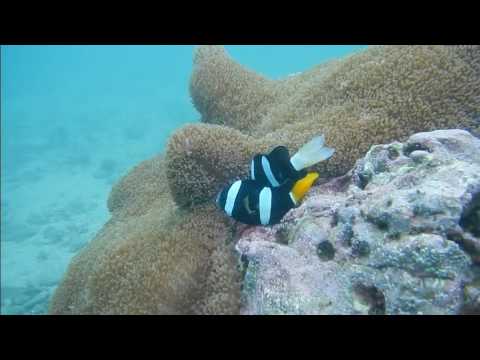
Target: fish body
[(251, 203)]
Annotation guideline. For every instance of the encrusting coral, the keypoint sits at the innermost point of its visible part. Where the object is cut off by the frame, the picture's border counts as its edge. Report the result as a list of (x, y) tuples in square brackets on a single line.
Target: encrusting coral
[(167, 250)]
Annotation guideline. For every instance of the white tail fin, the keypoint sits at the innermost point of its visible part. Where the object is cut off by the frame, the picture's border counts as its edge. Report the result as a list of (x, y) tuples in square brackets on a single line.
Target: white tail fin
[(311, 153)]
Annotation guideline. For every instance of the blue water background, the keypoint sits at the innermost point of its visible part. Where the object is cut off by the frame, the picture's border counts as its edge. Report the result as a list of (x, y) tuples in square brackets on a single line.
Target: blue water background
[(74, 119)]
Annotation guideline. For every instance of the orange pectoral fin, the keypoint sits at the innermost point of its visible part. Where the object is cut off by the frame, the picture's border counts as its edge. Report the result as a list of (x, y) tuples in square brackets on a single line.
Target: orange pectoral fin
[(302, 186)]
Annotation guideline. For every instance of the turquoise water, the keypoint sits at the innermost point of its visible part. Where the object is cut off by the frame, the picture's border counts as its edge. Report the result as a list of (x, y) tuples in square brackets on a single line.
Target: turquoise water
[(74, 119)]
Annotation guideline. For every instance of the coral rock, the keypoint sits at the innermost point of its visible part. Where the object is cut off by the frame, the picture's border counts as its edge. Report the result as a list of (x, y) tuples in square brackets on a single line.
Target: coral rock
[(400, 239)]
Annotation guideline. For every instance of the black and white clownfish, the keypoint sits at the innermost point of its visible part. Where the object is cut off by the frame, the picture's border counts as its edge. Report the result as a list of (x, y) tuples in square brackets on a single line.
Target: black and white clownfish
[(251, 203), (277, 167)]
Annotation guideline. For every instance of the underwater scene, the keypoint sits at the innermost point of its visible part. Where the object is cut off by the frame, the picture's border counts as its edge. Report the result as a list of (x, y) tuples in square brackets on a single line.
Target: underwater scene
[(240, 179)]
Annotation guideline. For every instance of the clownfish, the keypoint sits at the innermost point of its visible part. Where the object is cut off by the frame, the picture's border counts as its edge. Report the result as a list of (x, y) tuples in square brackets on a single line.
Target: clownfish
[(277, 167), (277, 184), (252, 203)]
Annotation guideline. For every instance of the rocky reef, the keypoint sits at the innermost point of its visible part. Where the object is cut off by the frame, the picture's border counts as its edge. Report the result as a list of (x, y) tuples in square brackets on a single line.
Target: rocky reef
[(398, 234), (349, 248)]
